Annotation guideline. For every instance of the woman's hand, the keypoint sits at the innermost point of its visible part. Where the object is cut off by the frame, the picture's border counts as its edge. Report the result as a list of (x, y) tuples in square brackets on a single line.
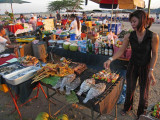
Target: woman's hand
[(107, 64), (152, 78)]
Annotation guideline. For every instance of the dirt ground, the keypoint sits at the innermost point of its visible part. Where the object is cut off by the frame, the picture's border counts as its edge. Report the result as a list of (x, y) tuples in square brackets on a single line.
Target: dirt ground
[(31, 110)]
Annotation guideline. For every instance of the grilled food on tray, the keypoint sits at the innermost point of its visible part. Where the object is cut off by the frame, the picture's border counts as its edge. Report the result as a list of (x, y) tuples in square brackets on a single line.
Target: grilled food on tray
[(80, 68), (67, 80), (86, 85), (29, 61), (95, 91), (59, 70), (106, 76)]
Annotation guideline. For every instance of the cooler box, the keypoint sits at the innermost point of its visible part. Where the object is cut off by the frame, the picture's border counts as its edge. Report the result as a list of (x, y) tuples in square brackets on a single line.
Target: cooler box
[(115, 27), (40, 50)]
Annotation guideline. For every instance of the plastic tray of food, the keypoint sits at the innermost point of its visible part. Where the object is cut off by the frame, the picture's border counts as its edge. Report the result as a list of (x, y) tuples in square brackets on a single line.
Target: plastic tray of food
[(9, 68), (20, 76)]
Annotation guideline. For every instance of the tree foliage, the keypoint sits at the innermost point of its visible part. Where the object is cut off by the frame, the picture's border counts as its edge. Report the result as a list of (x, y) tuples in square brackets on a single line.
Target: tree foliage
[(65, 4)]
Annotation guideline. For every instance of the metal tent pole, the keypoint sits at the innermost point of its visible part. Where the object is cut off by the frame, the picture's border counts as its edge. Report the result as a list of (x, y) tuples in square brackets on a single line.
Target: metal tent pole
[(149, 5), (112, 14)]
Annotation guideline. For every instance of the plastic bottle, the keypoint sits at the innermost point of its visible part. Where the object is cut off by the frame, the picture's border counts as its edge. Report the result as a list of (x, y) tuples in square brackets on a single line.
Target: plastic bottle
[(79, 46), (93, 48), (99, 48), (96, 48), (90, 47), (103, 49)]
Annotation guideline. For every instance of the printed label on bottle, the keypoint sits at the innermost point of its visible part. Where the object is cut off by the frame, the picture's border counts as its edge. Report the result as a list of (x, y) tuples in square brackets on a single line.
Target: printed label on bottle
[(106, 51), (110, 52)]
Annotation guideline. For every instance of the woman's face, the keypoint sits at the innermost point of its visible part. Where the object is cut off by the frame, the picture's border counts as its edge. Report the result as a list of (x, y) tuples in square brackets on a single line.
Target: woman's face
[(134, 22), (72, 18)]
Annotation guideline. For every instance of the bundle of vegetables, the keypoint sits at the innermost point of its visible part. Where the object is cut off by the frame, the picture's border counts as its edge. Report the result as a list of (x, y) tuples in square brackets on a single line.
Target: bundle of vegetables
[(156, 111), (107, 76)]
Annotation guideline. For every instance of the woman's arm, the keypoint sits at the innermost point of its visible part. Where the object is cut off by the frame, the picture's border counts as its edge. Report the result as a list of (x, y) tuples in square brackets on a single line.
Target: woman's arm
[(120, 51), (155, 44), (123, 48), (8, 40)]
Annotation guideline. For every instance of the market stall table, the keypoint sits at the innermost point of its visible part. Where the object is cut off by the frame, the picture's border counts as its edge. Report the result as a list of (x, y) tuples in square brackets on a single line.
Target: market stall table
[(14, 28), (22, 90), (104, 103), (101, 104), (39, 23)]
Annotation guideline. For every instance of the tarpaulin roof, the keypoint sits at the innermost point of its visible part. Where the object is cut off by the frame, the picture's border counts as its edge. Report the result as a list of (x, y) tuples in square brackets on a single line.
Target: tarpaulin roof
[(123, 4)]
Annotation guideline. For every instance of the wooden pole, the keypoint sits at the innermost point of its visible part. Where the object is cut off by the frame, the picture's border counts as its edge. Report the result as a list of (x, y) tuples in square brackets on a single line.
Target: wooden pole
[(149, 5)]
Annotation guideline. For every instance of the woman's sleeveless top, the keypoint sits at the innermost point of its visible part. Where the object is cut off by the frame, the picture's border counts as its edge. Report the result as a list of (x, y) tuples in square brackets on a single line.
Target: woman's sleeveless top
[(141, 52)]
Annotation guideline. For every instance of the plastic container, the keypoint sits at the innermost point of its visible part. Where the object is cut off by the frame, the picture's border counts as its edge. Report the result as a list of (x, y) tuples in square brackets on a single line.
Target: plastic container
[(116, 50), (115, 27), (72, 36), (4, 88)]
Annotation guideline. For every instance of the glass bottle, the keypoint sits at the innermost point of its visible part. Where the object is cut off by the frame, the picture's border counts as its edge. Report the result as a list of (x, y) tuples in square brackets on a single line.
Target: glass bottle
[(106, 49), (111, 50)]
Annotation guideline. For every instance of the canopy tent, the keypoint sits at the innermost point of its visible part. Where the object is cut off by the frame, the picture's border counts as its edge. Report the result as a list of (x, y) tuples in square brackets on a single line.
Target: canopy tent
[(123, 4), (13, 1)]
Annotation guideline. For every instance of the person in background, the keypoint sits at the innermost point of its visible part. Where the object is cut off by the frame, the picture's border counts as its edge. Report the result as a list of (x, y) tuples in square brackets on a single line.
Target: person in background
[(84, 17), (33, 21), (5, 42), (157, 16), (35, 17), (144, 44), (58, 16), (22, 20), (75, 25), (50, 16)]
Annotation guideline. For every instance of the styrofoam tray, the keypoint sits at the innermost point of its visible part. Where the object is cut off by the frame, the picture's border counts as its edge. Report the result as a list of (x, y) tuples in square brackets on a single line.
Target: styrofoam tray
[(20, 76)]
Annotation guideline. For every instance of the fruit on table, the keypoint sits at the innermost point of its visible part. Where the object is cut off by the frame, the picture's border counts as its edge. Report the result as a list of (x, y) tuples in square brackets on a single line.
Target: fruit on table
[(42, 116), (73, 47), (66, 45)]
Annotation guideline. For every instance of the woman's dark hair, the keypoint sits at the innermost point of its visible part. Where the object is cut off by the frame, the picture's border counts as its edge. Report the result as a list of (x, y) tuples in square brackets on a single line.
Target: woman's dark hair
[(22, 15), (144, 21), (77, 19)]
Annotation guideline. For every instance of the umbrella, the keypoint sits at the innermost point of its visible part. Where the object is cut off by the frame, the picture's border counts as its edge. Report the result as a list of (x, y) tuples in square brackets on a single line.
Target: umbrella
[(123, 4), (13, 1)]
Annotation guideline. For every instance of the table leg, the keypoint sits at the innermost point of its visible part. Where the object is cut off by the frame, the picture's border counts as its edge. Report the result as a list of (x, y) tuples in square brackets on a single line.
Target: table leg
[(46, 96), (15, 103)]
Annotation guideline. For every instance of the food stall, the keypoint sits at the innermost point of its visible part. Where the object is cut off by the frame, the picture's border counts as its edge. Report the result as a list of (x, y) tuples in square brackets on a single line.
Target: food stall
[(15, 79)]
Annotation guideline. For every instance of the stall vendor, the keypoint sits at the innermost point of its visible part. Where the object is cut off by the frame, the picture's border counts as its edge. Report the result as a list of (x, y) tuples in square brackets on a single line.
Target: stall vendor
[(22, 18), (75, 25), (144, 44), (33, 21), (5, 42)]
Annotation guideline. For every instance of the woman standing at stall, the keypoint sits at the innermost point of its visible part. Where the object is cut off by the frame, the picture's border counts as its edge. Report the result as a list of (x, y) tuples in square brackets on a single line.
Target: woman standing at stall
[(75, 25), (144, 44), (5, 42)]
